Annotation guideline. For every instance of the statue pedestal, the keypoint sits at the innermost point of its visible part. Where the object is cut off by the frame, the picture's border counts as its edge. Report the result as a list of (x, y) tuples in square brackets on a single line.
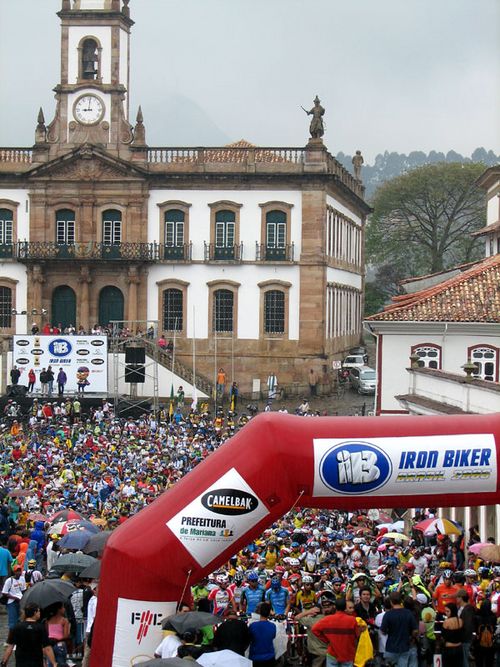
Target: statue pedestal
[(315, 155)]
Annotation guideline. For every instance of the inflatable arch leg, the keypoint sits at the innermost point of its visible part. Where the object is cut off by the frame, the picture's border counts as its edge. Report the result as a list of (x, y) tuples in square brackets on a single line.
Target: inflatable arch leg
[(254, 478)]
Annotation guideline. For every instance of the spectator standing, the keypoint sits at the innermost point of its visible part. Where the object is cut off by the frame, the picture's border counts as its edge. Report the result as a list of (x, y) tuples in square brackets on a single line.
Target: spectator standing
[(233, 396), (31, 379), (485, 623), (50, 379), (452, 633), (30, 640), (5, 558), (262, 634), (62, 378), (14, 586), (313, 380), (308, 618), (221, 383), (466, 613), (233, 635), (341, 632), (400, 625), (15, 374)]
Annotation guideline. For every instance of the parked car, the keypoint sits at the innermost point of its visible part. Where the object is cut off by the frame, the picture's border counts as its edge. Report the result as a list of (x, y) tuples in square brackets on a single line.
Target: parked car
[(354, 361), (363, 379)]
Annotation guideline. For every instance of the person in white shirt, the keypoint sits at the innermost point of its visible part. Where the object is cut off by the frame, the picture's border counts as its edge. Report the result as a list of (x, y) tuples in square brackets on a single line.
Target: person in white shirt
[(14, 586), (170, 643)]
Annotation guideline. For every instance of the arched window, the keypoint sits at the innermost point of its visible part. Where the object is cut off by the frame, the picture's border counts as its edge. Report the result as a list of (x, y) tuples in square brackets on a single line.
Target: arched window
[(63, 306), (6, 227), (225, 228), (5, 307), (486, 360), (65, 227), (429, 355), (89, 67), (223, 311), (174, 233), (274, 312), (111, 227), (173, 309)]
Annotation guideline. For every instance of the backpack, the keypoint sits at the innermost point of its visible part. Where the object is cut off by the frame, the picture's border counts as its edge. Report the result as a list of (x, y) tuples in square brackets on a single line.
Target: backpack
[(485, 636)]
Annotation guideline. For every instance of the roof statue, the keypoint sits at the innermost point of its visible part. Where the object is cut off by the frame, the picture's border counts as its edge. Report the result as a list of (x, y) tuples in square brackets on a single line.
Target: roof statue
[(317, 127)]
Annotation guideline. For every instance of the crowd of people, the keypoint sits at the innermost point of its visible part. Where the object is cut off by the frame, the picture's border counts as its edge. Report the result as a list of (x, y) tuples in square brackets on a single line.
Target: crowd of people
[(344, 592)]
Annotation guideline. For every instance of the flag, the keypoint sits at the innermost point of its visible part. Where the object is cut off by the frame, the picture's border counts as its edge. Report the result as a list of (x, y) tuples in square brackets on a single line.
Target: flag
[(171, 406), (232, 402), (194, 403)]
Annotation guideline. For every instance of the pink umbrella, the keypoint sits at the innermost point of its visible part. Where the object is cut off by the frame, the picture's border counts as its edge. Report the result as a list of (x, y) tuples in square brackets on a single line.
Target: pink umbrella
[(476, 548)]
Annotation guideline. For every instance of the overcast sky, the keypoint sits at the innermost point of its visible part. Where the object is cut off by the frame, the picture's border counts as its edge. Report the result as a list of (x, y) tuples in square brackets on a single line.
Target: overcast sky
[(397, 75)]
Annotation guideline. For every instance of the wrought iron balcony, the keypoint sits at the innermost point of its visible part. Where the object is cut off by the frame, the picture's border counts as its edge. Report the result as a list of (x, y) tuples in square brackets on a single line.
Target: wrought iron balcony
[(176, 253), (227, 253), (265, 253), (47, 250)]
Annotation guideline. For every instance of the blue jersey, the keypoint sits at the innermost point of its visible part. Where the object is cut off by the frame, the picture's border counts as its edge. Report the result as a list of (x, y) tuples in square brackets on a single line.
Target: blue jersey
[(253, 597), (278, 599)]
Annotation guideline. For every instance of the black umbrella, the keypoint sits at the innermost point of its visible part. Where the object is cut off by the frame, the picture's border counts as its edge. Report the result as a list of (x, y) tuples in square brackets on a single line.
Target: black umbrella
[(74, 562), (46, 592), (92, 571), (167, 662), (97, 543), (192, 620)]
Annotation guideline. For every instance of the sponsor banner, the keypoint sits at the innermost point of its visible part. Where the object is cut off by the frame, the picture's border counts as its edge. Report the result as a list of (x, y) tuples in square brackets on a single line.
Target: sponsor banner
[(405, 465), (83, 359), (138, 630), (217, 517)]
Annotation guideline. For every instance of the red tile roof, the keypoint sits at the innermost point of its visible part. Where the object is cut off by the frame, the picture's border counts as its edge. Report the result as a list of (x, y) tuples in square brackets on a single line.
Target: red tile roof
[(471, 296)]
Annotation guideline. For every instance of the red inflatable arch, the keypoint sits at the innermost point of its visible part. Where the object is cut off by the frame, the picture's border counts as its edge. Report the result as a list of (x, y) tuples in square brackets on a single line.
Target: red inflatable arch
[(277, 461)]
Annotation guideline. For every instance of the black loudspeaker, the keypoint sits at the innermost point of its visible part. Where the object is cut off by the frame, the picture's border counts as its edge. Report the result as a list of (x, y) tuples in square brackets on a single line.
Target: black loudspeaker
[(135, 373), (135, 355), (17, 390)]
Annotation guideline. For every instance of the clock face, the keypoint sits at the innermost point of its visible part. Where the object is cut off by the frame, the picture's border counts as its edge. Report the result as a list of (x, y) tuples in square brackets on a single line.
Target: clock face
[(88, 109)]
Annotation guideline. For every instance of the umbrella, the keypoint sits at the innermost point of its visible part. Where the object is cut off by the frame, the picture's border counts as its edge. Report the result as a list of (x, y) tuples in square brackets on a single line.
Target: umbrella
[(97, 521), (192, 620), (490, 553), (225, 658), (437, 525), (476, 548), (46, 592), (34, 516), (165, 662), (394, 536), (65, 515), (76, 539), (97, 542), (92, 571), (73, 563), (63, 527)]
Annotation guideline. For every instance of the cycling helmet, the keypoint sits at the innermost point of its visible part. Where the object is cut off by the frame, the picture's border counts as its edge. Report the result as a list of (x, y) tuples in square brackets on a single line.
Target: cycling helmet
[(252, 576), (279, 569), (294, 562), (379, 578), (469, 572), (336, 580), (326, 597), (275, 582), (496, 571), (238, 577), (484, 571), (447, 574), (222, 579), (306, 579)]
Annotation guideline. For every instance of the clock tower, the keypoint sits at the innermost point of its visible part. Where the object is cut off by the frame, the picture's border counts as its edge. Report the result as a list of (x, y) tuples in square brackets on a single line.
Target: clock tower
[(92, 95)]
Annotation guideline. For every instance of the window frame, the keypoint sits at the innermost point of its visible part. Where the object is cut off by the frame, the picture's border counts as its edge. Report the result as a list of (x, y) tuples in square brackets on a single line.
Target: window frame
[(214, 286), (266, 209), (182, 286), (98, 78), (164, 317), (485, 346), (116, 228), (218, 207), (435, 346), (265, 287), (67, 225), (12, 207), (9, 283)]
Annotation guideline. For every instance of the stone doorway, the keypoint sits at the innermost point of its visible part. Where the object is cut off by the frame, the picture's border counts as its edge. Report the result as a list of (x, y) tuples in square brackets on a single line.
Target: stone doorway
[(63, 310), (111, 305)]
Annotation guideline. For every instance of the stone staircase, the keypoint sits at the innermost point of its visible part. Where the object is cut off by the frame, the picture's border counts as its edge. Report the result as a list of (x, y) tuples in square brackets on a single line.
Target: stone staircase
[(179, 368)]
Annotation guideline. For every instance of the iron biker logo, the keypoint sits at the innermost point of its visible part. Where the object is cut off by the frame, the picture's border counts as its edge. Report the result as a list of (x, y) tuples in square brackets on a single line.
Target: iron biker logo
[(355, 467)]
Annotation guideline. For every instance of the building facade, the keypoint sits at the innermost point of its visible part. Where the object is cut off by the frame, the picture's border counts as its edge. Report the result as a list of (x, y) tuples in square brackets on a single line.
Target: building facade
[(256, 253)]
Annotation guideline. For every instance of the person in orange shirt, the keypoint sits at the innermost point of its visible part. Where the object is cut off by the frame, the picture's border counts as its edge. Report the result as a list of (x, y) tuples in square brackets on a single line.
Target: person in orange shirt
[(446, 592), (221, 383)]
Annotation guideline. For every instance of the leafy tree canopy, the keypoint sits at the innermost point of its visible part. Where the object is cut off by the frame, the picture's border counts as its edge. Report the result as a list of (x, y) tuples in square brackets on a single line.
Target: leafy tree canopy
[(422, 220)]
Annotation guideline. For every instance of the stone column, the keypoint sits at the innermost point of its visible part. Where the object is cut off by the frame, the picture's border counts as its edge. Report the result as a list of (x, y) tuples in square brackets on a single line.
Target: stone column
[(483, 530), (37, 280), (133, 279), (84, 309)]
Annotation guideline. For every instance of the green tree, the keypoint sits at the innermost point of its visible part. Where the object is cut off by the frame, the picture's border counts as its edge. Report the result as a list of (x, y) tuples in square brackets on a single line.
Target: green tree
[(422, 220)]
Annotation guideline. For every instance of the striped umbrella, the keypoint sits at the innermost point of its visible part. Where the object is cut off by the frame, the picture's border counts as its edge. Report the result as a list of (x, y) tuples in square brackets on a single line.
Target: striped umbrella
[(439, 525)]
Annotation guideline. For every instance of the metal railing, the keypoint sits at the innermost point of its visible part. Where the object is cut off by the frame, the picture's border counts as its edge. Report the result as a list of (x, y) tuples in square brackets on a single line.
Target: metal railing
[(228, 253), (265, 253), (40, 250), (176, 253)]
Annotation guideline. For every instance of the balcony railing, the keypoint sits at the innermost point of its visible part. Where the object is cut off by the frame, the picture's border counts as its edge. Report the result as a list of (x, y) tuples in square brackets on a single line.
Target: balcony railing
[(265, 253), (227, 253), (6, 250), (40, 250), (176, 253), (16, 155)]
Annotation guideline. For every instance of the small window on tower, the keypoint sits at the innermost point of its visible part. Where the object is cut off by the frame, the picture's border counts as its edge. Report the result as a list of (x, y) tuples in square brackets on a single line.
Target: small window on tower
[(90, 60)]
